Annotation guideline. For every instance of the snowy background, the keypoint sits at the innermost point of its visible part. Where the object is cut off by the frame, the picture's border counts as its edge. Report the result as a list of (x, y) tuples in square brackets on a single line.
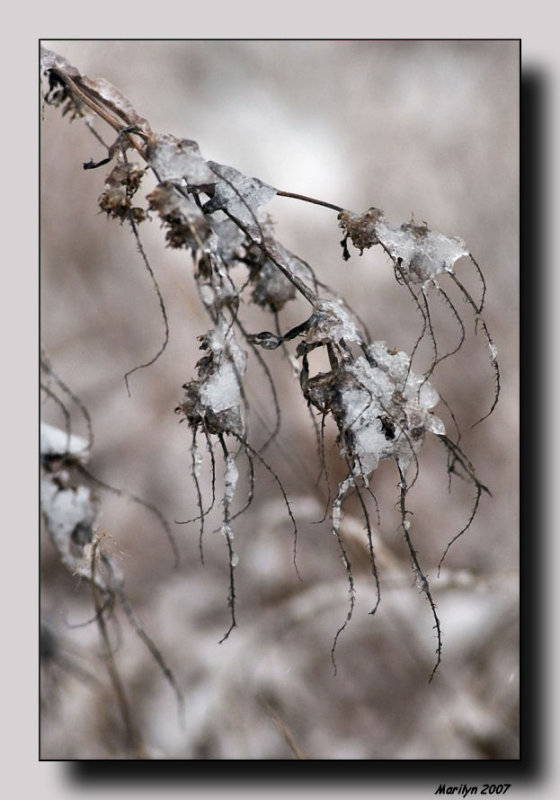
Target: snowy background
[(428, 129)]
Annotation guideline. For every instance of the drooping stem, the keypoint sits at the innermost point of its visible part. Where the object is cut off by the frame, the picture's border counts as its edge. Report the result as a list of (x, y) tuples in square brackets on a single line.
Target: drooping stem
[(306, 199)]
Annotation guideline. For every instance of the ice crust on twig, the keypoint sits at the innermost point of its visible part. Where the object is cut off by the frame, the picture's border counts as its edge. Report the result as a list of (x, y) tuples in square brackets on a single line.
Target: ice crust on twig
[(240, 197), (179, 160), (331, 322), (381, 407), (420, 253)]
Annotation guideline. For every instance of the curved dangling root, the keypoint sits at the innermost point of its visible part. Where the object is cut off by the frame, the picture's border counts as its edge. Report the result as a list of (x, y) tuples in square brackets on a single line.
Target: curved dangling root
[(372, 560), (491, 345), (324, 469), (403, 281), (118, 589), (335, 528), (482, 280), (421, 577), (463, 530), (449, 303), (439, 358), (459, 456), (251, 492), (262, 363), (194, 469), (228, 533), (150, 271)]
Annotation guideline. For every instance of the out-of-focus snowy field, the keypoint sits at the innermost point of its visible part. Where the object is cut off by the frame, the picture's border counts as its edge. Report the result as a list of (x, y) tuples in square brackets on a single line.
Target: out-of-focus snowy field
[(425, 129)]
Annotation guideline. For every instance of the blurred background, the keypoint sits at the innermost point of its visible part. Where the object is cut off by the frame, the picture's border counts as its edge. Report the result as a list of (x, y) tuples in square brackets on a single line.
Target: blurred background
[(422, 129)]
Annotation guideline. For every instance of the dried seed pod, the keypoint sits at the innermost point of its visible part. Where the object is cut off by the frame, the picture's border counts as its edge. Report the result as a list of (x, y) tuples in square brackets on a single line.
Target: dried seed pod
[(120, 186), (186, 225)]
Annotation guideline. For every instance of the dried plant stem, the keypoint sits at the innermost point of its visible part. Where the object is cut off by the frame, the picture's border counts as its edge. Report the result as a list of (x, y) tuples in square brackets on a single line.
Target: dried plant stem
[(134, 741)]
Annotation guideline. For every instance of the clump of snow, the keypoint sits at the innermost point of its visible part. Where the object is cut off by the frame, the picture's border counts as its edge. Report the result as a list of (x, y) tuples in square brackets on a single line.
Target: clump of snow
[(221, 390), (70, 516), (384, 410), (381, 407), (58, 444), (214, 398), (66, 508)]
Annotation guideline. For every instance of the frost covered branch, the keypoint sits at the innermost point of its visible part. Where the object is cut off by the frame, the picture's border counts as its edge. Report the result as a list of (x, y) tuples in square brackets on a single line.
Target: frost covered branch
[(382, 404)]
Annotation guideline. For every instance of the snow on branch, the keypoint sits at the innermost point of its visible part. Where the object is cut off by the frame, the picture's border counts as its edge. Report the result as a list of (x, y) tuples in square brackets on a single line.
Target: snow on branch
[(381, 406)]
